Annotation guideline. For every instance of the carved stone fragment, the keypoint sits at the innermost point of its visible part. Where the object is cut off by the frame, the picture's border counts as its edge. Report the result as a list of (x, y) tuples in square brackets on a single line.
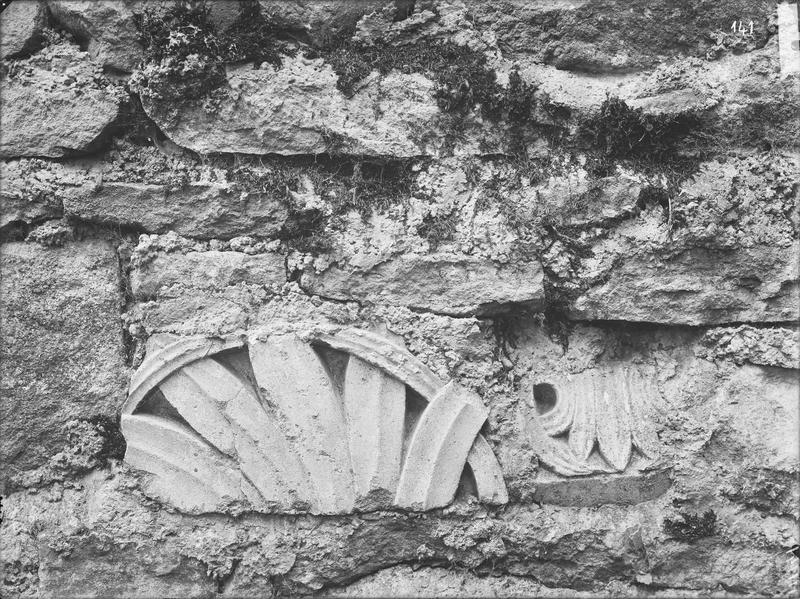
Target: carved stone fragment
[(290, 425), (596, 423)]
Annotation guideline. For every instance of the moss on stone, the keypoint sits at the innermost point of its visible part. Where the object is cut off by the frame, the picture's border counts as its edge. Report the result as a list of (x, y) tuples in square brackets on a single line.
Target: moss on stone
[(619, 131), (437, 228), (185, 53), (463, 77), (692, 526)]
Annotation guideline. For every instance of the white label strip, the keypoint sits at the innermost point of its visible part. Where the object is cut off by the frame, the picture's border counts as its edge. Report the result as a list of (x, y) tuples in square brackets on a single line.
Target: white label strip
[(788, 39)]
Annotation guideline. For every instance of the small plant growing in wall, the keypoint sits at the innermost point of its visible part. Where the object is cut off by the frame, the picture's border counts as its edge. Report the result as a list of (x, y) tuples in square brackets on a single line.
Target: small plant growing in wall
[(691, 526), (186, 54), (618, 131)]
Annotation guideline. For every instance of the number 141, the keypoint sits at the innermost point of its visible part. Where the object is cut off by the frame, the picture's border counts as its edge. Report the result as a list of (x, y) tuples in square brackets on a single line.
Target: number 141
[(739, 26)]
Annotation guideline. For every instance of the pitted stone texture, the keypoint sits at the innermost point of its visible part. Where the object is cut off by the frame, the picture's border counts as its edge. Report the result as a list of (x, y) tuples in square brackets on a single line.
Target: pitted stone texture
[(728, 432), (266, 427), (586, 549), (129, 573), (445, 283), (105, 27), (57, 104), (21, 25), (408, 581), (33, 190), (62, 353), (722, 250), (321, 22), (699, 286), (578, 36), (777, 346), (166, 275), (298, 110), (200, 210)]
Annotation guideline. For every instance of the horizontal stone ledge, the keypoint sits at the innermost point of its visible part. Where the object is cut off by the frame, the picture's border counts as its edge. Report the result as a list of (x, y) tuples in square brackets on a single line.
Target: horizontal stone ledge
[(699, 287), (211, 270), (200, 210), (448, 284), (298, 109), (589, 491)]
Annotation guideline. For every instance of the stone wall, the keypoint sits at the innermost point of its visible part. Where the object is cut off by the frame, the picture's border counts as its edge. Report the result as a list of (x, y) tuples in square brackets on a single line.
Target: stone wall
[(433, 298)]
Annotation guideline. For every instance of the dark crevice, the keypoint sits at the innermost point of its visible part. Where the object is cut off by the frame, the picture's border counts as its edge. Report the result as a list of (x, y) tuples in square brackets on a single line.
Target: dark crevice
[(645, 325), (223, 582), (16, 230)]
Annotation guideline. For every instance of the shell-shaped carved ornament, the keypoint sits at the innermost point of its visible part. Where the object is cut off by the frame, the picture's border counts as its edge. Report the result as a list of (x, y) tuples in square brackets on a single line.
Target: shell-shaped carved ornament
[(328, 425)]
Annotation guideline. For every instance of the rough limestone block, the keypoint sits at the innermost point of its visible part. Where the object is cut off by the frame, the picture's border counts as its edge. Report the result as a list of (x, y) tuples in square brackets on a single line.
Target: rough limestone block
[(106, 27), (155, 571), (320, 21), (297, 108), (699, 286), (211, 270), (21, 25), (31, 193), (62, 355), (450, 284), (56, 106), (778, 346), (195, 210)]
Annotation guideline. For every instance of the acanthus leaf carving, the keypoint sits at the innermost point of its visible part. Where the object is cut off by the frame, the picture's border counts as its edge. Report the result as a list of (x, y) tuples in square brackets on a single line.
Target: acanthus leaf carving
[(595, 422)]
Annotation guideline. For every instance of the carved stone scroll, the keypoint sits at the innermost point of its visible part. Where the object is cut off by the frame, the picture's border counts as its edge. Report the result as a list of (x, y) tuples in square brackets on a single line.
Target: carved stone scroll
[(273, 425)]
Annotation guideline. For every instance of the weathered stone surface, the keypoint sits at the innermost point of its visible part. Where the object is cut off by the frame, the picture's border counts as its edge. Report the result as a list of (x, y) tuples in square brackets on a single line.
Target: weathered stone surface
[(406, 581), (201, 210), (206, 270), (440, 444), (626, 488), (298, 110), (580, 36), (21, 25), (699, 286), (374, 409), (693, 404), (445, 283), (722, 249), (322, 22), (433, 224), (778, 346), (706, 416), (125, 574), (105, 28), (56, 104), (62, 345), (32, 190), (396, 114)]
